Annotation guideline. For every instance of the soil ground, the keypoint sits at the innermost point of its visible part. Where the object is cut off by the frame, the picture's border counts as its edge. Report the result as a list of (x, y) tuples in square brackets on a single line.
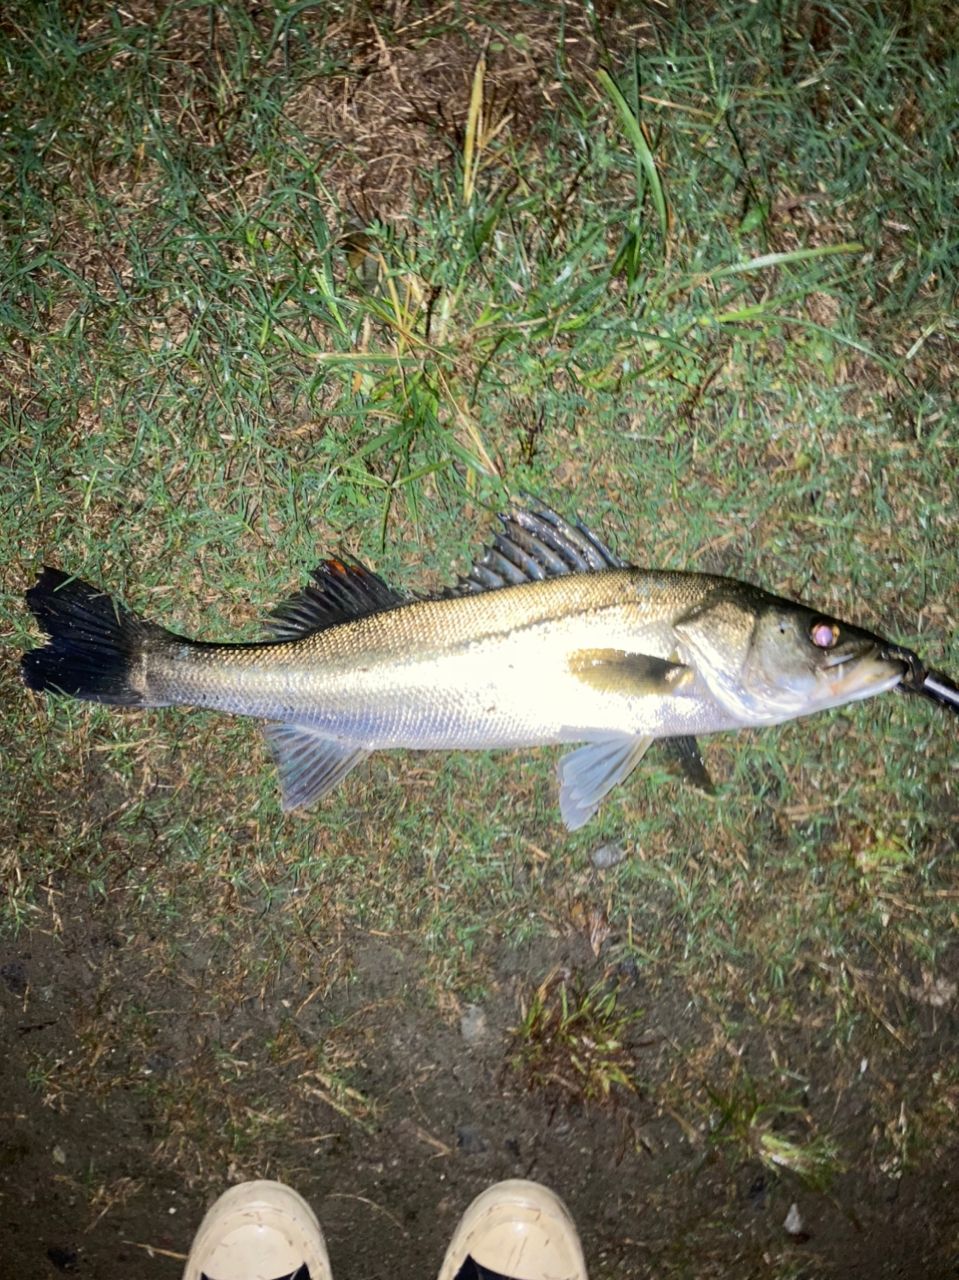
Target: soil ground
[(649, 1197)]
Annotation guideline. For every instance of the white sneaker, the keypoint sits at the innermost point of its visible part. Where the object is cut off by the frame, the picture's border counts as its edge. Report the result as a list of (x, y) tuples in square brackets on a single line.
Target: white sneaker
[(258, 1231), (517, 1229)]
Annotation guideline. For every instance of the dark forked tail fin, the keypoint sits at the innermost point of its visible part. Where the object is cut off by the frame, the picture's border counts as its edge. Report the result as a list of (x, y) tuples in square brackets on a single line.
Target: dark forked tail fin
[(94, 646)]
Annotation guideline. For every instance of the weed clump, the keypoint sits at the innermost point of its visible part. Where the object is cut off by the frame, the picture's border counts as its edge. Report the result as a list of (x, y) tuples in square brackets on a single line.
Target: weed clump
[(574, 1044)]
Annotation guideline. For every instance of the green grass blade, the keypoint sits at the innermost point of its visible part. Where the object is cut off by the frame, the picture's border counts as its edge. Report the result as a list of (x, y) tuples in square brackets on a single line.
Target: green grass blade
[(637, 138)]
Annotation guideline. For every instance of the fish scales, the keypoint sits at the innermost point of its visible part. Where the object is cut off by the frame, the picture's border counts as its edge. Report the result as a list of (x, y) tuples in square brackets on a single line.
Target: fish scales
[(489, 670), (550, 638)]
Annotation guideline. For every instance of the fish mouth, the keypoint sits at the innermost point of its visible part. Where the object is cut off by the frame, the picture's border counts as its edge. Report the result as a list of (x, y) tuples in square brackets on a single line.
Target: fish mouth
[(913, 668), (867, 653), (920, 679), (862, 670), (833, 660)]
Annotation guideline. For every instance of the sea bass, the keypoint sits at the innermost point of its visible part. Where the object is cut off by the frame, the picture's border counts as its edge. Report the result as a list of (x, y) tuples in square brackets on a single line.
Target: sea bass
[(550, 638)]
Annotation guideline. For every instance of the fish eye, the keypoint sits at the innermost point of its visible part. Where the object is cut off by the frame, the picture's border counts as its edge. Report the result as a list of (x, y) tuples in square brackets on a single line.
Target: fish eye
[(824, 634)]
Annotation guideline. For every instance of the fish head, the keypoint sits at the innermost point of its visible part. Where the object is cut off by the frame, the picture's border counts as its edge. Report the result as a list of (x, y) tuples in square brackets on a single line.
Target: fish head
[(770, 660)]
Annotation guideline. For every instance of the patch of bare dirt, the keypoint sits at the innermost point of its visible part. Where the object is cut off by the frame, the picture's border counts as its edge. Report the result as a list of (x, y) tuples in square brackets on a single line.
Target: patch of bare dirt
[(134, 1090)]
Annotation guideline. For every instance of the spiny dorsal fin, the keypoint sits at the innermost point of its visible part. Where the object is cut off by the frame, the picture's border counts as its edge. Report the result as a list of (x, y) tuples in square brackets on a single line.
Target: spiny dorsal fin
[(340, 590), (533, 544)]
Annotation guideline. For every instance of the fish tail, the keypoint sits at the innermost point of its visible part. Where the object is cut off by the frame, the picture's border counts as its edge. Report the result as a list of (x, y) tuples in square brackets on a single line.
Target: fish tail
[(96, 648)]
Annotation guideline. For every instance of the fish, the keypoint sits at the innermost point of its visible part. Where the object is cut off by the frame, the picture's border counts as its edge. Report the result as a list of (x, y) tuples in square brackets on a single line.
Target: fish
[(550, 638)]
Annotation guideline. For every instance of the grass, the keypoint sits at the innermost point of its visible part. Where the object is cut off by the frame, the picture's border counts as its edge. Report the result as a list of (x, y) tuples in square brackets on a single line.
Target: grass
[(706, 299), (573, 1044), (744, 1118)]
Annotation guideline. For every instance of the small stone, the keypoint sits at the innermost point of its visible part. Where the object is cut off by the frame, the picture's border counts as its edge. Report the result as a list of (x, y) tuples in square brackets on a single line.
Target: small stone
[(793, 1223), (607, 855), (937, 992), (58, 1155), (14, 975), (473, 1025), (157, 1063), (63, 1259), (470, 1141)]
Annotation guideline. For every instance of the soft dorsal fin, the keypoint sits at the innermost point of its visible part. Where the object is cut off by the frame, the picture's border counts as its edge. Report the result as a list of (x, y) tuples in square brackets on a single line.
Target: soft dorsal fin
[(533, 544), (340, 590)]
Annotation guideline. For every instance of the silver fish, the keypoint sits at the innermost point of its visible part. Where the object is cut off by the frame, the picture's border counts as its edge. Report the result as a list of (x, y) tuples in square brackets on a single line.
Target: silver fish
[(550, 638)]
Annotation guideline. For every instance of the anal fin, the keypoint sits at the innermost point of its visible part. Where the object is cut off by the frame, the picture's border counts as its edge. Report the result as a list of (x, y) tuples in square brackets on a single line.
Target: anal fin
[(309, 763), (589, 773)]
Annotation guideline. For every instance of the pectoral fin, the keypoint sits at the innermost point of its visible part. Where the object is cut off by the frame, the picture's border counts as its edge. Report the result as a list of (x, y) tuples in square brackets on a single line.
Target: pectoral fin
[(686, 753), (638, 674), (589, 773), (309, 764)]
